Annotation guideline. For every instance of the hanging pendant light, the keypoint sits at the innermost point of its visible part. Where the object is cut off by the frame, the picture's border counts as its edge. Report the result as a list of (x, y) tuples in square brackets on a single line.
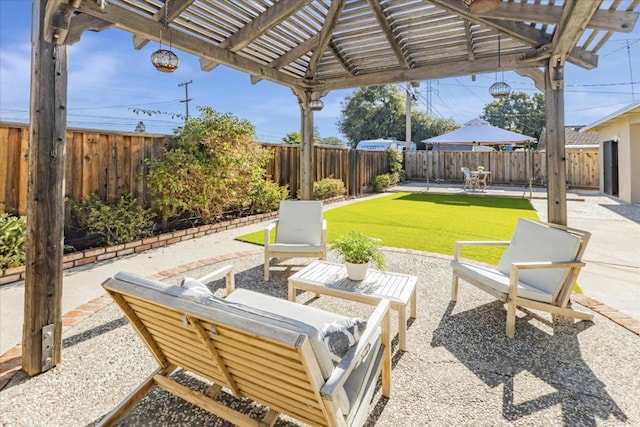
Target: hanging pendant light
[(165, 60), (500, 89), (481, 6)]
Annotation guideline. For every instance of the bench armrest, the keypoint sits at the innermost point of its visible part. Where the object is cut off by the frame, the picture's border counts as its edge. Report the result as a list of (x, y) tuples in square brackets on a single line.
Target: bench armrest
[(545, 264), (218, 274), (267, 232), (461, 243), (517, 266), (358, 352)]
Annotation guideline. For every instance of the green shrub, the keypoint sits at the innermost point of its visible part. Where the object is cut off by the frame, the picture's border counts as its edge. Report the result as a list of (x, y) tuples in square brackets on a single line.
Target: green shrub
[(215, 167), (395, 165), (12, 241), (394, 178), (267, 195), (328, 187), (381, 183), (123, 222)]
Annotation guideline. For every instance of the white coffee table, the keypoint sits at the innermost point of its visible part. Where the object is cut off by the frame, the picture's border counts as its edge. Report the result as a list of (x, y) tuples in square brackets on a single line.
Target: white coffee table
[(328, 278)]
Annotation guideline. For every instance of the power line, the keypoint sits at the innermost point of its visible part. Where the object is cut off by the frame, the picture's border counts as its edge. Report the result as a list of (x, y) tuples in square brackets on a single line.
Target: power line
[(633, 93)]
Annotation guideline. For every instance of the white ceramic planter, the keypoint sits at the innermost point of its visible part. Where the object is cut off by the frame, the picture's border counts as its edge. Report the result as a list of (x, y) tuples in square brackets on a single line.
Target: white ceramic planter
[(356, 271)]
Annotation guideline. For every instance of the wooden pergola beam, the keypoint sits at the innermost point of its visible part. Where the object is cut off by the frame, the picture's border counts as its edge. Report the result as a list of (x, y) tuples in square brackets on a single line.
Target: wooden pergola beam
[(173, 10), (83, 22), (430, 72), (520, 31), (342, 59), (606, 20), (325, 36), (257, 27), (389, 33), (573, 23), (141, 26), (291, 55)]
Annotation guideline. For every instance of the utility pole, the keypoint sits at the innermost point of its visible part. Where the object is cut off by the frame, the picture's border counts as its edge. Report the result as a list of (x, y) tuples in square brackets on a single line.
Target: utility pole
[(186, 96), (408, 116)]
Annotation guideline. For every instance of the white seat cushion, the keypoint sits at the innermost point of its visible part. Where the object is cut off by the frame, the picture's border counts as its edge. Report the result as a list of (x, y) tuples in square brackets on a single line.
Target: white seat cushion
[(536, 242), (299, 222), (499, 281)]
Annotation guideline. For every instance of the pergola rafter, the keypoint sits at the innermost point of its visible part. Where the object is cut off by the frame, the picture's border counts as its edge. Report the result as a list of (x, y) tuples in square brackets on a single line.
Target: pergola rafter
[(312, 47)]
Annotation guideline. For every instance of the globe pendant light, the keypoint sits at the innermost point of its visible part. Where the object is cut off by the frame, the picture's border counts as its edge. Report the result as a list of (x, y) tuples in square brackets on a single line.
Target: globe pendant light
[(165, 60), (500, 89)]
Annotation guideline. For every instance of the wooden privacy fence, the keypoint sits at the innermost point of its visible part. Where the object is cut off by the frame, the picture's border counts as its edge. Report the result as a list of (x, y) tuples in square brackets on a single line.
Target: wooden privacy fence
[(356, 169), (113, 163), (106, 163), (513, 168)]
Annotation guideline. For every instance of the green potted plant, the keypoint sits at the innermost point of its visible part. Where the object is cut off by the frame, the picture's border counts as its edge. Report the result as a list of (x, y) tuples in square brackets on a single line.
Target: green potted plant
[(358, 251)]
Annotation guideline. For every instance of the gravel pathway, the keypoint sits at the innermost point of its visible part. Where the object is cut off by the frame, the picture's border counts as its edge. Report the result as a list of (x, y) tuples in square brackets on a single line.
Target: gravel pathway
[(460, 368)]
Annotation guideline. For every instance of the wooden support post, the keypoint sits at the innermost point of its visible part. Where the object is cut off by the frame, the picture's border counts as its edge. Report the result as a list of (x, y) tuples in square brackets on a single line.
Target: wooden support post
[(45, 201), (556, 167), (307, 164), (354, 190)]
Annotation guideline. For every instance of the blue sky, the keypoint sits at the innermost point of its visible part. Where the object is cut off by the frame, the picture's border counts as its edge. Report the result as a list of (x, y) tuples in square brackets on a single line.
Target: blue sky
[(108, 78)]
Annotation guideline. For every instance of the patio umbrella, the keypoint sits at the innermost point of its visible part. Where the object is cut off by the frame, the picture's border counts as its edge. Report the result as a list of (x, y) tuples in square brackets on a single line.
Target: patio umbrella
[(478, 132)]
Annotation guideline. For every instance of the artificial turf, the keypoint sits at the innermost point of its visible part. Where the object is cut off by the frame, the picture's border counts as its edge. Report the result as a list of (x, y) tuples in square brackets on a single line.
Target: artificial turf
[(429, 222)]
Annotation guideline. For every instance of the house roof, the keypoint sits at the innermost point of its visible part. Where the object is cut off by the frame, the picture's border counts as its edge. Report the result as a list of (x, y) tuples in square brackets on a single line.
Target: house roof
[(629, 110), (322, 45), (573, 136)]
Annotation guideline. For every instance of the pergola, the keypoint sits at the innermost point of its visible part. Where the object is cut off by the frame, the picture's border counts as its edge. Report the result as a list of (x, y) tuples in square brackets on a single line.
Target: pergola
[(312, 47)]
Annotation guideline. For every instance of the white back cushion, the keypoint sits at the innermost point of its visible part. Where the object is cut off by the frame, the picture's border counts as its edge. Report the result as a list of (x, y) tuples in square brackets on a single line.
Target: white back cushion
[(536, 242), (299, 222)]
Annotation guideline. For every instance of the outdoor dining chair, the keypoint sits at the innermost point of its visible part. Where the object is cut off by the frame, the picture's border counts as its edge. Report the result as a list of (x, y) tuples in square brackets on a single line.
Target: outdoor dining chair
[(471, 181)]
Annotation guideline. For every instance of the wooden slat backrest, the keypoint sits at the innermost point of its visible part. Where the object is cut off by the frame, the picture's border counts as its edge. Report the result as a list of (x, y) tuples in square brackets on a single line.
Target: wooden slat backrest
[(273, 366)]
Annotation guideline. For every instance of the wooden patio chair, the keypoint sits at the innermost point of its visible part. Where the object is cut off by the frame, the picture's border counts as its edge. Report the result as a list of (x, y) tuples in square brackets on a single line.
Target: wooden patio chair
[(538, 269), (255, 346), (300, 232)]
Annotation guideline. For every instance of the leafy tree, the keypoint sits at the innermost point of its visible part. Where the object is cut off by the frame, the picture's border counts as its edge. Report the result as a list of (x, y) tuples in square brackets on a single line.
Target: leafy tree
[(379, 112), (333, 140), (424, 126), (295, 138), (373, 112), (292, 138), (518, 113), (140, 127)]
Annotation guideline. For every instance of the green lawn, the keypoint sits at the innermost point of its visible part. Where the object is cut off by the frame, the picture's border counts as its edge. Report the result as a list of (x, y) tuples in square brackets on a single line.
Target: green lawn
[(429, 222)]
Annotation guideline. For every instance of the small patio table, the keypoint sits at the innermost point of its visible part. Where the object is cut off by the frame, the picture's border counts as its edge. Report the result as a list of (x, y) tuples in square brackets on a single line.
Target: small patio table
[(482, 178), (327, 278)]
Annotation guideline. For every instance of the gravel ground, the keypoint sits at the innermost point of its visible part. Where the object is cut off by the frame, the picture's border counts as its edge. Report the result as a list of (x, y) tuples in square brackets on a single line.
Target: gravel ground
[(460, 368)]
